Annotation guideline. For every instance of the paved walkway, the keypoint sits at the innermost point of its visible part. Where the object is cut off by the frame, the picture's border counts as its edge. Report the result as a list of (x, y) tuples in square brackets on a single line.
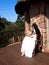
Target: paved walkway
[(11, 55)]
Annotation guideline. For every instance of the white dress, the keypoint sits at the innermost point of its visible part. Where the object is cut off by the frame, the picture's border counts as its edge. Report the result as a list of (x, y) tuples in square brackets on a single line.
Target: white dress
[(28, 45)]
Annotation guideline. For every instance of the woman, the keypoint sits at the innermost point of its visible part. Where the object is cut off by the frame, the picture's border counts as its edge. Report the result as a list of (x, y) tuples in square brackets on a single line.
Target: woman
[(28, 44)]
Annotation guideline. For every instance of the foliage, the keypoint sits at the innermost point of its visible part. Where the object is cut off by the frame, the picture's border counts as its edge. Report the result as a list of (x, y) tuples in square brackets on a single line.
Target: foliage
[(10, 30), (19, 24), (2, 26)]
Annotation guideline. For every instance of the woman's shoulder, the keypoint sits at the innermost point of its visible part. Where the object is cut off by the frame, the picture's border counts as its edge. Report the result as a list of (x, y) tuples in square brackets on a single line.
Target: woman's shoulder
[(28, 33)]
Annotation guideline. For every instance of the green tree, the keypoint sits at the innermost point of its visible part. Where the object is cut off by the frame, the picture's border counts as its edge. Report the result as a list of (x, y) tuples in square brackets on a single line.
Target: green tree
[(5, 21), (20, 23), (2, 26)]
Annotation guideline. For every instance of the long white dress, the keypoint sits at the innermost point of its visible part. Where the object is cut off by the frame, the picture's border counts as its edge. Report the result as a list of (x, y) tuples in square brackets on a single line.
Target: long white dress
[(28, 45)]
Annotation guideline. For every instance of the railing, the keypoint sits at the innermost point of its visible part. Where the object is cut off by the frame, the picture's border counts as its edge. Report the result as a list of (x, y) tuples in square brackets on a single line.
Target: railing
[(8, 37)]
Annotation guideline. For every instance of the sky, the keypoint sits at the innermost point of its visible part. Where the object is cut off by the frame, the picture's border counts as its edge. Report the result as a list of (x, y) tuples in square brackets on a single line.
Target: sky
[(7, 10)]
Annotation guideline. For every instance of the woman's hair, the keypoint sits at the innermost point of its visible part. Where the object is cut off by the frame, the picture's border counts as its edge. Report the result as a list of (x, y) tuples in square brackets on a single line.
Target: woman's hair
[(37, 47), (37, 30)]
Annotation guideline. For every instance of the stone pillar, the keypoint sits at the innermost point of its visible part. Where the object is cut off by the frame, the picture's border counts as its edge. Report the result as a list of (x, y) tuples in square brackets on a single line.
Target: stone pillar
[(37, 15), (27, 22), (47, 34), (47, 14)]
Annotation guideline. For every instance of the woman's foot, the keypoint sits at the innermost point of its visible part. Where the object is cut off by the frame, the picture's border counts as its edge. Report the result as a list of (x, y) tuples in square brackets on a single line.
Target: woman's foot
[(22, 54)]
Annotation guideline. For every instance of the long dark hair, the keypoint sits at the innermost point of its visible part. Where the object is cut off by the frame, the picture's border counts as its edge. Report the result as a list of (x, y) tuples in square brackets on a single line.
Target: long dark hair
[(37, 30), (37, 48)]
